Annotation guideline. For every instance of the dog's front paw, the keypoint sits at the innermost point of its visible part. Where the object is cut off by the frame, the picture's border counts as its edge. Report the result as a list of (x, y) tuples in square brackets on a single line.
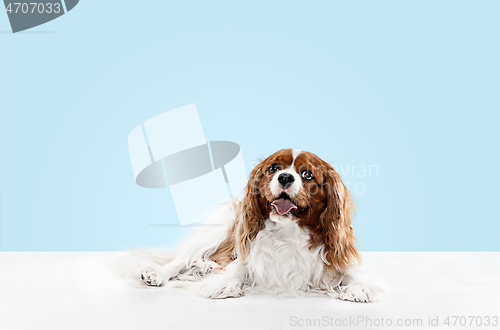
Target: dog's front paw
[(360, 292), (216, 287), (150, 277)]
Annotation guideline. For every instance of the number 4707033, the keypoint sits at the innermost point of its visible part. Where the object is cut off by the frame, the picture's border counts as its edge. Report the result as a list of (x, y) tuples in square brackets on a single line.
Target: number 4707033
[(471, 321), (33, 7)]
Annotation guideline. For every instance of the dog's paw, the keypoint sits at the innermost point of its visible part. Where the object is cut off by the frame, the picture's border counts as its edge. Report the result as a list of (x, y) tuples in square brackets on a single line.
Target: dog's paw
[(150, 277), (217, 287), (360, 292)]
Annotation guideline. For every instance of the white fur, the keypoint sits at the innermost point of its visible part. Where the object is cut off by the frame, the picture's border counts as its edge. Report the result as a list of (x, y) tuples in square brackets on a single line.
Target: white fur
[(295, 153), (279, 263), (286, 218), (228, 283), (293, 190)]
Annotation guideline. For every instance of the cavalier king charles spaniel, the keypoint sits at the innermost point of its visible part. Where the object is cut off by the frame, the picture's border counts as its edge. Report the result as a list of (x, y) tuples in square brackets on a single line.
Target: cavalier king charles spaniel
[(290, 235)]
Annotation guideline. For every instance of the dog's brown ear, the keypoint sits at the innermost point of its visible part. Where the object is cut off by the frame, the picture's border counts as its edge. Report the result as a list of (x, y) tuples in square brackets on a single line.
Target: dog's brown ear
[(336, 219), (250, 217)]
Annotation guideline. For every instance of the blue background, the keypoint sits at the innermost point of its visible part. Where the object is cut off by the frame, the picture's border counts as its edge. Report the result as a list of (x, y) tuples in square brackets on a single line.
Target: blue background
[(411, 87)]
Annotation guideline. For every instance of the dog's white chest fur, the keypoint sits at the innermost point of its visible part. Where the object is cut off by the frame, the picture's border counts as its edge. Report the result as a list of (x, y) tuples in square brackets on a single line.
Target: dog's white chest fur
[(280, 260)]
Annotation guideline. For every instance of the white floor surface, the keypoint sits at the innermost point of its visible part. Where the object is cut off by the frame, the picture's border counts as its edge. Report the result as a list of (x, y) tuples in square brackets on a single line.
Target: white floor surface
[(77, 290)]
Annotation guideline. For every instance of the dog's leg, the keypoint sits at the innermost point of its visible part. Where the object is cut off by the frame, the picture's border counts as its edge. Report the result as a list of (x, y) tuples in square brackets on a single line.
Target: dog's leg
[(355, 288), (195, 249), (155, 275), (226, 284)]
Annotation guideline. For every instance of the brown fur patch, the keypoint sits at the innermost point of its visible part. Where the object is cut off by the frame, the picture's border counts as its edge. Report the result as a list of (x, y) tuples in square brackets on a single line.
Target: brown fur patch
[(329, 220), (225, 253)]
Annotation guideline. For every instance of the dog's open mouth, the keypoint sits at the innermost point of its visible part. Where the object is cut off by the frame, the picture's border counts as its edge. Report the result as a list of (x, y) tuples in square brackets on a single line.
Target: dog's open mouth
[(283, 205)]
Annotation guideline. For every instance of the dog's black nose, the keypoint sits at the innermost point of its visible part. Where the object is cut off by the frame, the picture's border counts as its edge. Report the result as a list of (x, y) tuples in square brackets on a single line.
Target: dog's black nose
[(286, 180)]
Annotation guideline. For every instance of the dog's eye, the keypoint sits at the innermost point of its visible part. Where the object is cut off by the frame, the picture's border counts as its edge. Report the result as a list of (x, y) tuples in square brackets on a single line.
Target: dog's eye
[(307, 175), (274, 168)]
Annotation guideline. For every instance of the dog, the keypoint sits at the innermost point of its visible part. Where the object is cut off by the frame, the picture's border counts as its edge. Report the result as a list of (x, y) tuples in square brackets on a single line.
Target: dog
[(291, 234)]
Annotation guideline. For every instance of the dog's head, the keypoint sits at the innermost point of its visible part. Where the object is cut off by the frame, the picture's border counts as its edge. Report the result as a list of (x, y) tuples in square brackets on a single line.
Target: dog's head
[(298, 186)]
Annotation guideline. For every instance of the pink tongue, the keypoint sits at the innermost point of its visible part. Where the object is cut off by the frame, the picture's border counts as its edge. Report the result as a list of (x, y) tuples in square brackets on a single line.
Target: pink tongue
[(283, 205)]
